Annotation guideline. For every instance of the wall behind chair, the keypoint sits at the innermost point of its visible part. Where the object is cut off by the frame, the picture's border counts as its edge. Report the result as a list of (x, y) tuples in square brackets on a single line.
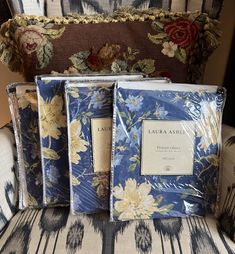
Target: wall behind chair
[(214, 74), (6, 76)]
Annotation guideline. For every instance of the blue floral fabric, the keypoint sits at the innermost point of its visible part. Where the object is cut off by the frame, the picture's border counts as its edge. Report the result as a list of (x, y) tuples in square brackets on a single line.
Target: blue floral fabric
[(25, 115), (135, 196), (53, 134), (53, 138), (89, 189)]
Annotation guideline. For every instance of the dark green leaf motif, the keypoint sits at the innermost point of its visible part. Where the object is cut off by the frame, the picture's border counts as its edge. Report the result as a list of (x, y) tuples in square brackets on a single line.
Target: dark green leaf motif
[(44, 54)]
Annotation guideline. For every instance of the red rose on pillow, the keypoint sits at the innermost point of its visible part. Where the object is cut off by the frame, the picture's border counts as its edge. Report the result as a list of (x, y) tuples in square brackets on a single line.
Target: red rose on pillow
[(181, 31)]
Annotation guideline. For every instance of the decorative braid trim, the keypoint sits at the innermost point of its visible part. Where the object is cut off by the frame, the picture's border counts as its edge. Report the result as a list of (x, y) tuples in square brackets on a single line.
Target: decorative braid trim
[(121, 15)]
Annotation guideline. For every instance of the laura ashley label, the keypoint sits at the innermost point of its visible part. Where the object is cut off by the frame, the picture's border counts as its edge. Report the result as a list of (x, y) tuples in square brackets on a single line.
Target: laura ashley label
[(101, 143), (167, 147)]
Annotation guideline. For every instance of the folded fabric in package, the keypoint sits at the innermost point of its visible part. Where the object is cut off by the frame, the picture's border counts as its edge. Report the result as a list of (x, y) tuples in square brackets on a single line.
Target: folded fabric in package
[(24, 113), (89, 112), (165, 154), (53, 133)]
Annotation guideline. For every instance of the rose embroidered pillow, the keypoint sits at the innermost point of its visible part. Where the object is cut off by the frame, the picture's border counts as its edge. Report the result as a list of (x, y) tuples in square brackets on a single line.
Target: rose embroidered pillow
[(153, 42)]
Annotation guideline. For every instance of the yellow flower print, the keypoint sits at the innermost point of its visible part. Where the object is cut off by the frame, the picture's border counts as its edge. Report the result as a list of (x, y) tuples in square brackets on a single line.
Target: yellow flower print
[(101, 183), (77, 144), (134, 202), (28, 99), (52, 117), (208, 126)]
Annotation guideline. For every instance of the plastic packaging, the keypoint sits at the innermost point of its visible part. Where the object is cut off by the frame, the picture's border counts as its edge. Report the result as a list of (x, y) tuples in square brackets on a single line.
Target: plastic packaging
[(165, 150), (90, 111), (24, 113), (53, 133)]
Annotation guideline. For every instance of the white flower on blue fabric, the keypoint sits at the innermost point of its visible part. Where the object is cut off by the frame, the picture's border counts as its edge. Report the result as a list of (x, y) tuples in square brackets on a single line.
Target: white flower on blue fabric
[(53, 174), (76, 201), (98, 99), (120, 133), (208, 108), (135, 136), (118, 158), (160, 112), (134, 103)]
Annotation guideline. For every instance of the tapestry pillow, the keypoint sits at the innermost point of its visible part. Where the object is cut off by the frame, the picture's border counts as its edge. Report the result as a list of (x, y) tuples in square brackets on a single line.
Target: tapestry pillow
[(8, 176), (227, 198), (53, 133), (166, 144), (24, 113), (60, 8), (153, 42)]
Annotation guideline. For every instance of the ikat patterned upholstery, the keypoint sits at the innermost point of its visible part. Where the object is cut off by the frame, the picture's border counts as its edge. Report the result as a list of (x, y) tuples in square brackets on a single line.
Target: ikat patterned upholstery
[(64, 7), (8, 176), (227, 198), (53, 230)]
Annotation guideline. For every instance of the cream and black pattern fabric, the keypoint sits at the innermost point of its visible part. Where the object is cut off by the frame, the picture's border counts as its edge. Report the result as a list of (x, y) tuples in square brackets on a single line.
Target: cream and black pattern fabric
[(63, 7), (8, 178), (227, 204), (54, 230)]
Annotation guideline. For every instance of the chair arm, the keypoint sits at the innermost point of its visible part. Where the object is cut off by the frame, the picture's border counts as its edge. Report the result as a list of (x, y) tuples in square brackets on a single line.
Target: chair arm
[(8, 177), (227, 197)]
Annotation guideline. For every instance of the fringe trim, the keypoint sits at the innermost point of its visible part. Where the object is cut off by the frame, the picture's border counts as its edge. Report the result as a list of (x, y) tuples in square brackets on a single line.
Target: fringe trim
[(121, 15)]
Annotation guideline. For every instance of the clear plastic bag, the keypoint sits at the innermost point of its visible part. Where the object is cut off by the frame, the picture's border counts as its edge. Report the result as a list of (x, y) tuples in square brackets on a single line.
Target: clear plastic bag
[(53, 133), (165, 151), (90, 111), (24, 113)]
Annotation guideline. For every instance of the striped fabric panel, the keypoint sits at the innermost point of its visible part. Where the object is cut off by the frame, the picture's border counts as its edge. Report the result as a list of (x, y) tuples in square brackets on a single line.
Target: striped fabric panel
[(63, 7)]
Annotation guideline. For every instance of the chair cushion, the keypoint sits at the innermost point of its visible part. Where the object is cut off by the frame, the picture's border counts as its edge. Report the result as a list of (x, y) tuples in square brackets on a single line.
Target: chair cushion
[(227, 197), (54, 230), (8, 178)]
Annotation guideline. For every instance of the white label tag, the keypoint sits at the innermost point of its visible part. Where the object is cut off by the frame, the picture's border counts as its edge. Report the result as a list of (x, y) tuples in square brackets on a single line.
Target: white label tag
[(167, 147), (101, 143)]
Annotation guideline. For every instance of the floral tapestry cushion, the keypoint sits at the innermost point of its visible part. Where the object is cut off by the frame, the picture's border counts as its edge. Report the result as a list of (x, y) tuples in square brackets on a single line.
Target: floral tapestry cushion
[(53, 133), (24, 113), (227, 198), (166, 145), (153, 42), (8, 176), (60, 8)]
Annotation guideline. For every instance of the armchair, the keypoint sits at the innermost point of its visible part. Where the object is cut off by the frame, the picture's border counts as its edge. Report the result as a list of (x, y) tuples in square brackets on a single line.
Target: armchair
[(54, 230)]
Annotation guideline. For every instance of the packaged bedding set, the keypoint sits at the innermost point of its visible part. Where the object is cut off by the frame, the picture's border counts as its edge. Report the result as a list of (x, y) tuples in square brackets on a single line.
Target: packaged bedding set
[(165, 150)]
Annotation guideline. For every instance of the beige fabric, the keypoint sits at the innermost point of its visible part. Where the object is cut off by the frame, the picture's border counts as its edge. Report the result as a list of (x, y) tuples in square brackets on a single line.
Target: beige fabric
[(228, 164), (8, 185), (55, 231)]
